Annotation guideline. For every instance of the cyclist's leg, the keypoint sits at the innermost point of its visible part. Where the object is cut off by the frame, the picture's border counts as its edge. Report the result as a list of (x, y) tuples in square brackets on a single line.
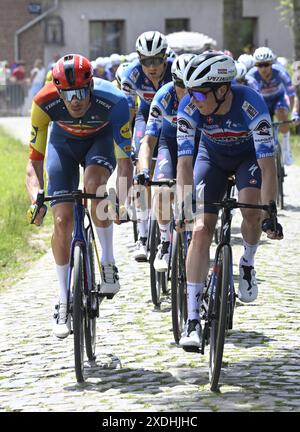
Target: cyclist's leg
[(63, 176), (282, 112), (99, 164), (165, 169), (206, 171), (248, 180)]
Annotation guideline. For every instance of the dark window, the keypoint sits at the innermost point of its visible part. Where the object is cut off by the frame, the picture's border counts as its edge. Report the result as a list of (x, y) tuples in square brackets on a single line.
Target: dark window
[(54, 30), (249, 34), (106, 37), (177, 24)]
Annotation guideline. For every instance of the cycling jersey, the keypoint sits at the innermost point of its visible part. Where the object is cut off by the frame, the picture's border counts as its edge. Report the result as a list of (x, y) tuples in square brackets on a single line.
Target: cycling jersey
[(279, 84), (246, 124), (108, 108)]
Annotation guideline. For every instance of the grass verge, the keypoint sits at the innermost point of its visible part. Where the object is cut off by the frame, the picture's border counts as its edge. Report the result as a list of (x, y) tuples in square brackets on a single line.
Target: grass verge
[(20, 243)]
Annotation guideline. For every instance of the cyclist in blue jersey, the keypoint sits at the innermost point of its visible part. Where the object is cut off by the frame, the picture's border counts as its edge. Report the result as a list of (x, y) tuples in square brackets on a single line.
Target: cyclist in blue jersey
[(88, 116), (161, 129), (235, 127), (274, 83), (143, 78)]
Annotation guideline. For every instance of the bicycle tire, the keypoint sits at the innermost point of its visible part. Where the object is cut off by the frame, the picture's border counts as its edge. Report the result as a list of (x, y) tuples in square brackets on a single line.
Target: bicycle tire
[(78, 312), (219, 317), (90, 329), (156, 278), (280, 177), (178, 287)]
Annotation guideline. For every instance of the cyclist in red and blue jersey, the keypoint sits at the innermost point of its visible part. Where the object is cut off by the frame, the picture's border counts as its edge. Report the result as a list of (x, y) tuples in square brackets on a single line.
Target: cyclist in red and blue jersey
[(161, 131), (274, 83), (143, 78), (235, 130), (90, 127)]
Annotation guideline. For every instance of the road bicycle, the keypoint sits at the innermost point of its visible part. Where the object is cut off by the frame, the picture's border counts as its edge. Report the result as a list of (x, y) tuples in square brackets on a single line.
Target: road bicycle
[(218, 300), (84, 297), (281, 174)]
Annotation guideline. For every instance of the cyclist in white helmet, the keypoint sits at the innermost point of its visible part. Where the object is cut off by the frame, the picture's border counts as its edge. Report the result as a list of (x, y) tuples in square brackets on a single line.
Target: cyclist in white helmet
[(241, 71), (275, 85), (144, 77), (235, 129), (161, 129), (247, 59)]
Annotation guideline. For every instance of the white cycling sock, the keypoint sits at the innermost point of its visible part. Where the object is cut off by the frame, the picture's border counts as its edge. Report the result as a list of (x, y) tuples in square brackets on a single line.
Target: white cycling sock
[(62, 275), (105, 236), (194, 293), (164, 232), (286, 142), (249, 253), (142, 221)]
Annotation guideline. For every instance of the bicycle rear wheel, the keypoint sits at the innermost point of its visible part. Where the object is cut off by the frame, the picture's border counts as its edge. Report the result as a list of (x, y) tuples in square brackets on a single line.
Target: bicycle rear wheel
[(280, 177), (92, 310), (78, 312), (219, 304), (178, 287)]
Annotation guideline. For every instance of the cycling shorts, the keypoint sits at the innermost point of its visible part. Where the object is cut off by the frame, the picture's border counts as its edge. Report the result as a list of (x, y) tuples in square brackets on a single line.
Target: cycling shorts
[(277, 103)]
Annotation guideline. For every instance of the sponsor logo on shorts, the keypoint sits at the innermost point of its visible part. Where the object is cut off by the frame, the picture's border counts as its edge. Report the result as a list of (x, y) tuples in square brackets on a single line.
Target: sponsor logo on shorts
[(125, 131)]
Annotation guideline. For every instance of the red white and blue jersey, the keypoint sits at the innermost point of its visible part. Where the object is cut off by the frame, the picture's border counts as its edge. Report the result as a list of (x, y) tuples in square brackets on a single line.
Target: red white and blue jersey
[(279, 84), (163, 113), (247, 124), (135, 82)]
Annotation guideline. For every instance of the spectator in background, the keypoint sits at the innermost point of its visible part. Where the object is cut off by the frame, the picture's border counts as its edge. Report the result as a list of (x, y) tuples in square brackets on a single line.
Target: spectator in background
[(37, 77)]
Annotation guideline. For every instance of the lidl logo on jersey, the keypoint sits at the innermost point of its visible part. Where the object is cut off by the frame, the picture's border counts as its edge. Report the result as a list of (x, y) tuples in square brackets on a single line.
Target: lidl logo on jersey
[(249, 110), (125, 131), (34, 131)]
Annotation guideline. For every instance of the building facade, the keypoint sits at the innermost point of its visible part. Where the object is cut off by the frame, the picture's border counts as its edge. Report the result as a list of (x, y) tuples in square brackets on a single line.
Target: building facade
[(48, 28)]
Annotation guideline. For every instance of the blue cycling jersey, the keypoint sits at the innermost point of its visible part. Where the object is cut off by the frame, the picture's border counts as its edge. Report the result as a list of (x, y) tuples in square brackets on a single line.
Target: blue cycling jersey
[(279, 84), (163, 112), (135, 82), (246, 124)]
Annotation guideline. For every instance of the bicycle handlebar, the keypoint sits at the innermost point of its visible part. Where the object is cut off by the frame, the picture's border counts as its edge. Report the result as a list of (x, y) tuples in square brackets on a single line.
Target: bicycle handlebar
[(279, 123), (168, 183)]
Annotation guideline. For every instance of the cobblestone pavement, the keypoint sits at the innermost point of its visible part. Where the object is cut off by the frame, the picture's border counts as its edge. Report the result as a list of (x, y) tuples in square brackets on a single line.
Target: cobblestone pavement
[(139, 368)]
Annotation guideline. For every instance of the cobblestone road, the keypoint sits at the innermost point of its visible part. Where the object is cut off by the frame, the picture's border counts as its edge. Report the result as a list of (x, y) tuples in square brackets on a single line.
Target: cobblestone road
[(139, 368)]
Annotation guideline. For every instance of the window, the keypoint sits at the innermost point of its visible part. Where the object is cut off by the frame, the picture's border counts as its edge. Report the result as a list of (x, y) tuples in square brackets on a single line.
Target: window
[(249, 34), (177, 24), (106, 38), (54, 30)]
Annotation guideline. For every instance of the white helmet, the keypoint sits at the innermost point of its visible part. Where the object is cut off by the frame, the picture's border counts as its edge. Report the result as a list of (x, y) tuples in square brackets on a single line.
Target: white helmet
[(115, 59), (151, 43), (179, 65), (241, 70), (209, 70), (263, 54), (100, 62), (171, 53), (120, 70), (247, 59)]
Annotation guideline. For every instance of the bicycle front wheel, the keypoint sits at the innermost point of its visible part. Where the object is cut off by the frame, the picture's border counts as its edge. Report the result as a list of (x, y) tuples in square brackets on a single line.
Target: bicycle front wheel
[(280, 177), (219, 303), (178, 287), (78, 312), (156, 278), (92, 304)]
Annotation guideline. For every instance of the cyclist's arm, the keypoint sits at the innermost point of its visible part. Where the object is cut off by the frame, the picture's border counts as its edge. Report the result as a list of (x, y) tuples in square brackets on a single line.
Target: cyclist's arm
[(34, 178)]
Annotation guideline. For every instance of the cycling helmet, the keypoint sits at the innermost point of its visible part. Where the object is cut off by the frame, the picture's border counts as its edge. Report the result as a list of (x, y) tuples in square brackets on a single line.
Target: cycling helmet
[(179, 65), (72, 71), (120, 70), (209, 70), (151, 43), (263, 54), (170, 53), (241, 70), (247, 59), (115, 59)]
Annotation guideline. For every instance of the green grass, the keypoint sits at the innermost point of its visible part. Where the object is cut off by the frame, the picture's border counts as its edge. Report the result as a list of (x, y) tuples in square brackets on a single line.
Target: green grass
[(16, 235)]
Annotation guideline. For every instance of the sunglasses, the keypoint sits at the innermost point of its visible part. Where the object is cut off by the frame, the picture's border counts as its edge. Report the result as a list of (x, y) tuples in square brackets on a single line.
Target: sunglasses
[(260, 65), (152, 61), (80, 93), (199, 95)]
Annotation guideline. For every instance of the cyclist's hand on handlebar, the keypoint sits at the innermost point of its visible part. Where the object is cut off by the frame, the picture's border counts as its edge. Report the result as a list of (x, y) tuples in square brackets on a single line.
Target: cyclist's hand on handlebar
[(38, 220), (143, 177), (268, 227), (295, 118)]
